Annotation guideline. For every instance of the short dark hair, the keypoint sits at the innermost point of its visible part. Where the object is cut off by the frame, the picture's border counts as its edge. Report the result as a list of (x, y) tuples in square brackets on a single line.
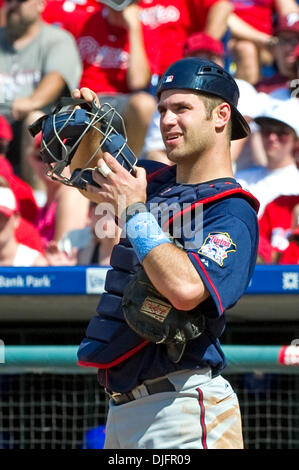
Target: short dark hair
[(210, 103)]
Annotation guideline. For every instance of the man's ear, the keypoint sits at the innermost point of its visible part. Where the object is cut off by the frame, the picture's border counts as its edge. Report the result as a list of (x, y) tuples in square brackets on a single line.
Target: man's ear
[(222, 115), (41, 5)]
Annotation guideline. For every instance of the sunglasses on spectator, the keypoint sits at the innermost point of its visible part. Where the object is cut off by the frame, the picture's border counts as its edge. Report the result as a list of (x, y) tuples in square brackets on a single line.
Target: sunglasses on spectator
[(279, 131), (287, 41), (18, 1)]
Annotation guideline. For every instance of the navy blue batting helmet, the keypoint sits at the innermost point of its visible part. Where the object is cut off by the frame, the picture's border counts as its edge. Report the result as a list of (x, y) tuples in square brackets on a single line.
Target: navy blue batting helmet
[(194, 73)]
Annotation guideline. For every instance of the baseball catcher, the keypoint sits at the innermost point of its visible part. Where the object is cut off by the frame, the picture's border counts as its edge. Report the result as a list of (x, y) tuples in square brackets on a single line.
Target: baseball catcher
[(186, 255)]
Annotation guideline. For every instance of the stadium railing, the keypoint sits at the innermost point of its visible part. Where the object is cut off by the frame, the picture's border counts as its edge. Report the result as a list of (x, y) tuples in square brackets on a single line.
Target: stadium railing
[(48, 402)]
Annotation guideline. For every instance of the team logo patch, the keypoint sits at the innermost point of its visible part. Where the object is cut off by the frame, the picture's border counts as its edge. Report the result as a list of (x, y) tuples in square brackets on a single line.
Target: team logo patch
[(168, 79), (155, 308), (216, 246)]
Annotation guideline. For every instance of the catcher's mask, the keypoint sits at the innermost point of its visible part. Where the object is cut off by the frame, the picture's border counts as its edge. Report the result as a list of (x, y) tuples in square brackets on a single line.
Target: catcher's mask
[(75, 134)]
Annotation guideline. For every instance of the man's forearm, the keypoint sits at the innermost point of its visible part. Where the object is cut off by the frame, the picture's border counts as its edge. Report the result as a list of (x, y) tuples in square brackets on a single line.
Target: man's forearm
[(285, 7), (48, 90), (216, 24), (168, 266), (241, 30), (174, 276), (138, 70)]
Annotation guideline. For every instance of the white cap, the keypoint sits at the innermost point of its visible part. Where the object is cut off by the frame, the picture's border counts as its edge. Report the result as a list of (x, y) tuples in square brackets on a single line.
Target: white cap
[(283, 111), (249, 102), (8, 203)]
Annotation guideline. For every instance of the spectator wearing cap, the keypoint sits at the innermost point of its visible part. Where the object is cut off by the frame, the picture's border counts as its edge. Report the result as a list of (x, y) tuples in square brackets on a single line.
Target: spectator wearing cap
[(286, 36), (208, 47), (13, 253), (22, 191), (70, 15), (251, 28), (279, 128)]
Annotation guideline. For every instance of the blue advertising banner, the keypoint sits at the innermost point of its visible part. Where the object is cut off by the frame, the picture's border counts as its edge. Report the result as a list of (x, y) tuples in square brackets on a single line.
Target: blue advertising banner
[(86, 280)]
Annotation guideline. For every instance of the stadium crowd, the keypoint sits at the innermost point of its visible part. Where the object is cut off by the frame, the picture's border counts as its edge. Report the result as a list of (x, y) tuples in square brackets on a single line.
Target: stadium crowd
[(50, 47)]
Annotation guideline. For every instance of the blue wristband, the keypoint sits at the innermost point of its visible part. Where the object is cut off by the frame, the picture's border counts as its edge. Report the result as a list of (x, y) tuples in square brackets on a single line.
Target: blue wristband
[(144, 233)]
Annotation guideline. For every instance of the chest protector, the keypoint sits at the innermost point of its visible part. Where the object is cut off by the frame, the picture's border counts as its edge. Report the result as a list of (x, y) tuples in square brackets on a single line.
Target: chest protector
[(109, 340)]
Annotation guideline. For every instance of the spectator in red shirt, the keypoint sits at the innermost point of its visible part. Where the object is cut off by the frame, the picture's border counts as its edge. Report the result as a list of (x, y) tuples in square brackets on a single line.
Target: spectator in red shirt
[(291, 253), (22, 191), (70, 15), (26, 233), (210, 16), (276, 223), (168, 23), (287, 37), (12, 252), (251, 27), (116, 66), (5, 134), (2, 13)]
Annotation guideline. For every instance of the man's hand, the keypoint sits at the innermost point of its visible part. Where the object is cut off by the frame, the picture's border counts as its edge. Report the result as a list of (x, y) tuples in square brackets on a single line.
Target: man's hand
[(55, 257), (21, 107), (87, 94), (119, 188)]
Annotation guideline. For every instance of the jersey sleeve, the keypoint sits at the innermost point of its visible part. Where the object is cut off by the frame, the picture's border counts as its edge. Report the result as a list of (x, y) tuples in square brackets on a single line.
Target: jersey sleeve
[(226, 254)]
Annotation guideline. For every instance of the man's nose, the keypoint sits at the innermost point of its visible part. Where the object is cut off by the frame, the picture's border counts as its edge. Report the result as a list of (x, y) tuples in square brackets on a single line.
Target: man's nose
[(273, 136), (169, 118)]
